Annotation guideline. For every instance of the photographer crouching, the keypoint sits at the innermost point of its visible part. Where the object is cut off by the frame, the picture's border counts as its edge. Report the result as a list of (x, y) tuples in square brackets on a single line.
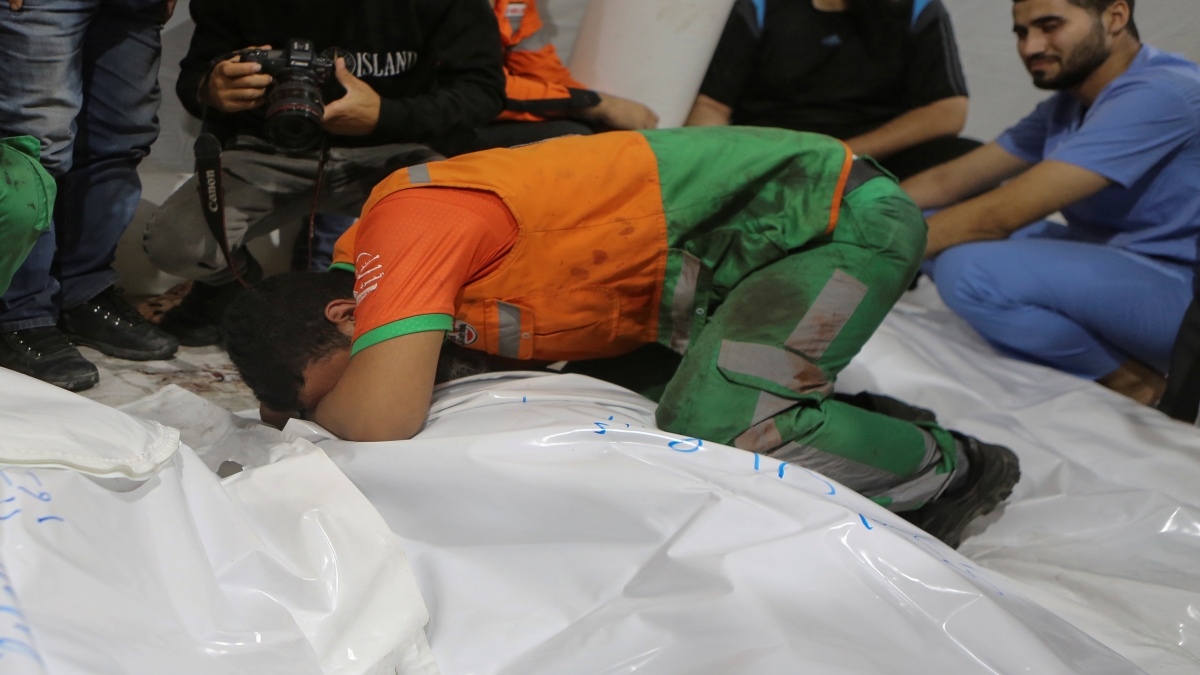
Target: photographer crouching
[(307, 96)]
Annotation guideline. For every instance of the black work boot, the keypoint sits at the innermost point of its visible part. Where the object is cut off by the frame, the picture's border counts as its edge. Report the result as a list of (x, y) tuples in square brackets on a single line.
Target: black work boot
[(196, 321), (47, 354), (114, 327), (993, 471)]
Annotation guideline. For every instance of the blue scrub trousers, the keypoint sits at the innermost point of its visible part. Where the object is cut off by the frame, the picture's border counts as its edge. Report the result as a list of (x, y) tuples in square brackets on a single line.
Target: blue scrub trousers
[(1080, 307), (82, 77)]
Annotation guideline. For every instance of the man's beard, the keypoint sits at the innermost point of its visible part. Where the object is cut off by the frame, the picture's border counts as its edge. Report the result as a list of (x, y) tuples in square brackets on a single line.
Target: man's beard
[(1079, 64)]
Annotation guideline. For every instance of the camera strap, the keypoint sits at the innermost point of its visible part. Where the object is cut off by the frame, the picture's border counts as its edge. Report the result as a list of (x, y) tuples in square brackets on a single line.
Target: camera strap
[(312, 213), (212, 194)]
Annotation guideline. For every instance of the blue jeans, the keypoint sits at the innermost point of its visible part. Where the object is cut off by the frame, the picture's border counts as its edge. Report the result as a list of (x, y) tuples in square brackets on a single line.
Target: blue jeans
[(82, 77), (1080, 307)]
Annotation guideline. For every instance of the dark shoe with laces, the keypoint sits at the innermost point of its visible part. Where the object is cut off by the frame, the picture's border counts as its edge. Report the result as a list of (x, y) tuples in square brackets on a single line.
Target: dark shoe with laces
[(992, 473), (114, 327), (47, 354), (196, 321)]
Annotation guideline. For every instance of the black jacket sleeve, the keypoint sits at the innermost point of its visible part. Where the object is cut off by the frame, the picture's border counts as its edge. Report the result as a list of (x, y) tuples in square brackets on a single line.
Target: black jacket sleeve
[(469, 90), (214, 36), (934, 71), (733, 61)]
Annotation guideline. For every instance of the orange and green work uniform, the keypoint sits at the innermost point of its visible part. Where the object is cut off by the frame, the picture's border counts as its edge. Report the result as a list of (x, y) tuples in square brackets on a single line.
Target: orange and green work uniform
[(765, 257)]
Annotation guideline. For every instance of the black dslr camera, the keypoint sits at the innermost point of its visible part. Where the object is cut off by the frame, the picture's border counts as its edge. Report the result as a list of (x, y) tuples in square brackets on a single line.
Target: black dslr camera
[(301, 83)]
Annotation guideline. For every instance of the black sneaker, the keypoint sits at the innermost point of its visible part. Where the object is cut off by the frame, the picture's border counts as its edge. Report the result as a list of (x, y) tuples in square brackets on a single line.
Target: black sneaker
[(993, 472), (196, 321), (114, 327), (47, 354)]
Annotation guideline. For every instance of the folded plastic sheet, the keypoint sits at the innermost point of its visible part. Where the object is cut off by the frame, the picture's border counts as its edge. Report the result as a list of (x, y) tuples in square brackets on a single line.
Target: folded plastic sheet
[(553, 529), (1104, 526), (42, 425), (282, 568)]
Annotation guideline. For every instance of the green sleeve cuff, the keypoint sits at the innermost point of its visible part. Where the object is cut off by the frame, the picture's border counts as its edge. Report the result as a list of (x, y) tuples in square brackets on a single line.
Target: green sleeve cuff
[(413, 324), (345, 267)]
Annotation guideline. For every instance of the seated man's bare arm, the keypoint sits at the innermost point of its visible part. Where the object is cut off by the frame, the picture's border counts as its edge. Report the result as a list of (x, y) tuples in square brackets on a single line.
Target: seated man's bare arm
[(1047, 187), (708, 112), (384, 393), (940, 118), (981, 169)]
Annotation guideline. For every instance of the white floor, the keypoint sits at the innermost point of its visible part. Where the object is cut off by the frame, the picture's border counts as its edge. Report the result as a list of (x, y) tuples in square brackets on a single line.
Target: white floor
[(206, 371)]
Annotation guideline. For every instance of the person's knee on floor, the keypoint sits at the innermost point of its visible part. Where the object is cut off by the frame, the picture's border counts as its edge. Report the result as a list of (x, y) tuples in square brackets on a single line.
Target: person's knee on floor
[(1070, 306)]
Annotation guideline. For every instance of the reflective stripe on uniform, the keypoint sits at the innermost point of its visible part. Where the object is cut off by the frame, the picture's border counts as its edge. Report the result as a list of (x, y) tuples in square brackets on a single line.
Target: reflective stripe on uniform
[(834, 306), (763, 438), (773, 364), (418, 173), (854, 475), (510, 330), (861, 171), (770, 405), (683, 301)]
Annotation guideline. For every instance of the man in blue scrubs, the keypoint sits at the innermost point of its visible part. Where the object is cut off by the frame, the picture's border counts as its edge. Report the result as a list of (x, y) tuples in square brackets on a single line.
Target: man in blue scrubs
[(1117, 151)]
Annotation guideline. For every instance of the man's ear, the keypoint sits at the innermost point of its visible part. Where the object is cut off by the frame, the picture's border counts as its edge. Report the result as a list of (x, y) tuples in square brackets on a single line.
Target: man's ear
[(1118, 16), (341, 313)]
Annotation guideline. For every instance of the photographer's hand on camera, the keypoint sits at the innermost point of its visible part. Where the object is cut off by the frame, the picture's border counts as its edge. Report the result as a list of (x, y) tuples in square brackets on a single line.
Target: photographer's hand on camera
[(356, 113), (233, 86)]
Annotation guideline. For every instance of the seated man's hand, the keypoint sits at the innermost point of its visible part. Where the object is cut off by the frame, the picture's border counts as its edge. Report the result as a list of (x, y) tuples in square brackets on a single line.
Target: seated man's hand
[(233, 86), (621, 113), (356, 113)]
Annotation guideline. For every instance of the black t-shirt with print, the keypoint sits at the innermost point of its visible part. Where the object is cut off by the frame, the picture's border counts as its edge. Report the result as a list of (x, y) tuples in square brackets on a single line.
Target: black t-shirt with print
[(436, 64), (836, 73)]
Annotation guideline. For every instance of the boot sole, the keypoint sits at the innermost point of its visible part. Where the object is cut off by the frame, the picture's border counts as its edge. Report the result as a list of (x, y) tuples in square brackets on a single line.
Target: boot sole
[(122, 353), (1001, 475), (77, 383)]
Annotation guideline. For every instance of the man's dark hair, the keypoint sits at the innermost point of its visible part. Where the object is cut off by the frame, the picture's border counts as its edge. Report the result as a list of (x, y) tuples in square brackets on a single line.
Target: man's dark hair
[(276, 329), (1097, 8)]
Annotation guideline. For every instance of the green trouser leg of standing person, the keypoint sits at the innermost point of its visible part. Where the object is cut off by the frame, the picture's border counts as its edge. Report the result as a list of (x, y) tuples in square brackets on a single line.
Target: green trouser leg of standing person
[(26, 202), (759, 375)]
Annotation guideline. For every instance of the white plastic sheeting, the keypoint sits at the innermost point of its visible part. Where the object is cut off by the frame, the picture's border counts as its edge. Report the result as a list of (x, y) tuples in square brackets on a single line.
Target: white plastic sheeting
[(551, 529), (1104, 526), (554, 530), (284, 569)]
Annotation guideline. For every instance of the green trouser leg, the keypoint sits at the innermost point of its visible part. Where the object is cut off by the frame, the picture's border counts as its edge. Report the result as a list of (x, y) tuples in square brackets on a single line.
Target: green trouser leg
[(760, 374), (26, 202)]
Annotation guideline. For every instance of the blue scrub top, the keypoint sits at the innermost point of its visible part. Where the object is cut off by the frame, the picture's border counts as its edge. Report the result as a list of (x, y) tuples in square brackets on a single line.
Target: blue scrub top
[(1143, 133)]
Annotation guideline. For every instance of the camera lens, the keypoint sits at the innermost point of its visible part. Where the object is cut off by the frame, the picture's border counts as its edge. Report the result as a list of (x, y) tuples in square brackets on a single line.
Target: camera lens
[(295, 110)]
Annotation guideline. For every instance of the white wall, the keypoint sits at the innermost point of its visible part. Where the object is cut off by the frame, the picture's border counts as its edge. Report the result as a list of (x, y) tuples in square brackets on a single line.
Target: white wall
[(1000, 90)]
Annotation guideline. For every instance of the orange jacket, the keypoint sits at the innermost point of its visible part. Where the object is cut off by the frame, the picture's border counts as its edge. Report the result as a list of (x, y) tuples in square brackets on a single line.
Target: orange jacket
[(584, 278), (538, 82)]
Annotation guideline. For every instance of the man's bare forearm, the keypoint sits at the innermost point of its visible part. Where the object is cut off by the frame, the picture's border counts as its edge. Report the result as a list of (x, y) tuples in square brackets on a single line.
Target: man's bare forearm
[(1047, 187), (982, 169), (385, 392), (940, 118), (708, 112)]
